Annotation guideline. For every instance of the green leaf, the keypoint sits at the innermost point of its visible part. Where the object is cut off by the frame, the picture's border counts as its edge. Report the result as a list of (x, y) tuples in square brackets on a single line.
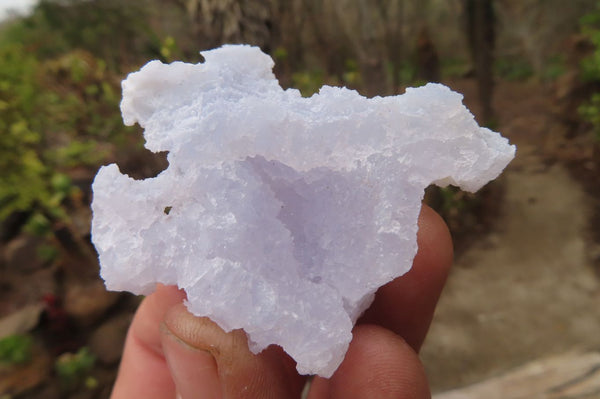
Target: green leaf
[(16, 349)]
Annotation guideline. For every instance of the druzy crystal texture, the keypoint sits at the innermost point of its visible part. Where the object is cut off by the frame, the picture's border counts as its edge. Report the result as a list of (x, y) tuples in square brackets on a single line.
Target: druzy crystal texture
[(279, 214)]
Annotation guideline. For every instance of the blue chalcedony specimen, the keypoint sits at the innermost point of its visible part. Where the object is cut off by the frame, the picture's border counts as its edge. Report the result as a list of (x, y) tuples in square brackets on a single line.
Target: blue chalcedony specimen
[(279, 214)]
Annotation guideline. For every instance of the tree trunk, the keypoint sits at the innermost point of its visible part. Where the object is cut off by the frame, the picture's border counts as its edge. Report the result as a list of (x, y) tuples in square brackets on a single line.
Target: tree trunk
[(481, 37), (428, 62), (217, 22)]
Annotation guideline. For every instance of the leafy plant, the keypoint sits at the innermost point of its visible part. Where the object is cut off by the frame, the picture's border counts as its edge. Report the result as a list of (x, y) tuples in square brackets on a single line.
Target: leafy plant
[(169, 50), (590, 112), (73, 369), (55, 114), (308, 82), (590, 69), (32, 179), (280, 53), (407, 74), (16, 349), (590, 28), (351, 75), (454, 67), (555, 67), (513, 69), (23, 181), (112, 30)]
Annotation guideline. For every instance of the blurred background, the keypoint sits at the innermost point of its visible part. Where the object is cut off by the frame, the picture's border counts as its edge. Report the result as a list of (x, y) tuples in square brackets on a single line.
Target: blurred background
[(525, 286)]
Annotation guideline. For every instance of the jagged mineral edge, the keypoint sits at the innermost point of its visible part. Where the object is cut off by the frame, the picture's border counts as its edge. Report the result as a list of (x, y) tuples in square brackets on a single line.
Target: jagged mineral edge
[(279, 214)]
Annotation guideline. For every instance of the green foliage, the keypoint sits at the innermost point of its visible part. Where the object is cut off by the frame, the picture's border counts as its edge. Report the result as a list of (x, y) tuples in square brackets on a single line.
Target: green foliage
[(555, 67), (590, 69), (280, 54), (112, 30), (513, 69), (38, 225), (308, 82), (407, 74), (351, 75), (53, 114), (16, 349), (590, 112), (454, 67), (59, 100), (168, 49), (24, 173), (452, 201), (590, 27), (47, 253), (73, 369)]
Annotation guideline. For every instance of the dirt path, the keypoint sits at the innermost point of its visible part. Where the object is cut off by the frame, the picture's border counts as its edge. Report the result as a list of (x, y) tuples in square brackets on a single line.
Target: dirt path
[(527, 289)]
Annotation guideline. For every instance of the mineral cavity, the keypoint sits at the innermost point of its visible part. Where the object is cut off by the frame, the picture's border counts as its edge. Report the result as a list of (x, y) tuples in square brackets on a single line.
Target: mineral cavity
[(279, 214)]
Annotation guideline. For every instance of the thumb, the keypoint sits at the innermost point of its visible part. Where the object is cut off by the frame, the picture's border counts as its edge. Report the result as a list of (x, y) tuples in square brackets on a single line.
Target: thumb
[(206, 362), (378, 364)]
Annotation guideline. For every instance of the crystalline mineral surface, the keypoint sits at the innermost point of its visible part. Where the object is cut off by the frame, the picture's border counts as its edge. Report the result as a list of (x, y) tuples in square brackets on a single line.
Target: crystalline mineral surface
[(279, 214)]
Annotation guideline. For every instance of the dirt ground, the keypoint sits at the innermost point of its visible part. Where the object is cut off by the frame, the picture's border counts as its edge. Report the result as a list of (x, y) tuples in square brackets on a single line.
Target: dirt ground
[(528, 288)]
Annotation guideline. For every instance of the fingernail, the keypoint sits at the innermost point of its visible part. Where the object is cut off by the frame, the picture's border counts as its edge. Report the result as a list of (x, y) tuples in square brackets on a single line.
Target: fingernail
[(194, 371)]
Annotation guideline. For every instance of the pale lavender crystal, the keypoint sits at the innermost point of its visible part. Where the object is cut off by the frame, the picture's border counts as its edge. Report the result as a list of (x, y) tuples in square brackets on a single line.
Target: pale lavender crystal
[(279, 214)]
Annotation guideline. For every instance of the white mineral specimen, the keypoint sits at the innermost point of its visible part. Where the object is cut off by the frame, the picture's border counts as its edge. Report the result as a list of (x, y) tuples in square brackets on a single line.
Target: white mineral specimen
[(279, 214)]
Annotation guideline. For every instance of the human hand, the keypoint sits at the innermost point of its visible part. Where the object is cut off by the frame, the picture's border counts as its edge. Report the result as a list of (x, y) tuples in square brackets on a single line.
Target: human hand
[(169, 352)]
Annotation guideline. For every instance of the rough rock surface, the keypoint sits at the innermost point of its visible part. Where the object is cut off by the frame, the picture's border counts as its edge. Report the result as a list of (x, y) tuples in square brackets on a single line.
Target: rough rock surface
[(279, 214)]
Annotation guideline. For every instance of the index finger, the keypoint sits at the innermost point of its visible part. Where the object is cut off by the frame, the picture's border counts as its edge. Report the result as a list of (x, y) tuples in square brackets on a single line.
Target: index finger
[(143, 372), (406, 304)]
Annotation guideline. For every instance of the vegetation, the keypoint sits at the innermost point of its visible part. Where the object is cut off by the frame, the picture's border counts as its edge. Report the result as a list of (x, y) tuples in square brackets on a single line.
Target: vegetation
[(15, 349), (59, 96), (73, 369), (590, 69)]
